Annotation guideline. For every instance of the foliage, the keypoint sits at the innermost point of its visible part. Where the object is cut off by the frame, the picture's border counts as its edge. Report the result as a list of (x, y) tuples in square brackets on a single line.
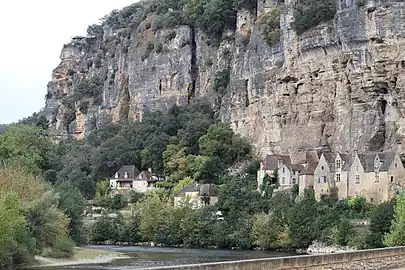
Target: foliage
[(396, 235), (380, 223), (72, 202), (182, 184), (89, 88), (102, 189), (62, 248), (221, 82), (26, 146), (269, 23), (310, 13), (95, 30), (11, 225), (304, 229)]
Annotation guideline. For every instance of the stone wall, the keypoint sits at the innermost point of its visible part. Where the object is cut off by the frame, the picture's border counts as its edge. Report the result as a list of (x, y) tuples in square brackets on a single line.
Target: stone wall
[(386, 258)]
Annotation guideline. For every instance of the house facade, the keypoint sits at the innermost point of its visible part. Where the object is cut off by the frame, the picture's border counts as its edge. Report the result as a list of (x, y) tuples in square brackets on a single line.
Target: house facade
[(129, 178), (330, 177), (280, 166), (198, 195), (375, 176), (306, 176)]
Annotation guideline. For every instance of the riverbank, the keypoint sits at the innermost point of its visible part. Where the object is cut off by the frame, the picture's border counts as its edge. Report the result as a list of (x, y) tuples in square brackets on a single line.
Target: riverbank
[(81, 256)]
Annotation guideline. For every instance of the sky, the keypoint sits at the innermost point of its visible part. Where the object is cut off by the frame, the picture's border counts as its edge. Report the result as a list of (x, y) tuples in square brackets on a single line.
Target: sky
[(32, 36)]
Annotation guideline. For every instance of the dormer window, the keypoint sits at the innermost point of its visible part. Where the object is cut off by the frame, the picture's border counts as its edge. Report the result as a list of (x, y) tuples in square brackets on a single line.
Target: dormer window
[(117, 175), (280, 163), (126, 175)]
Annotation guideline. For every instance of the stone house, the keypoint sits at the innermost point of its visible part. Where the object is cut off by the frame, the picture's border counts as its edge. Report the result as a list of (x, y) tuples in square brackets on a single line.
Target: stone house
[(330, 177), (287, 173), (375, 176), (306, 176), (198, 195), (129, 178)]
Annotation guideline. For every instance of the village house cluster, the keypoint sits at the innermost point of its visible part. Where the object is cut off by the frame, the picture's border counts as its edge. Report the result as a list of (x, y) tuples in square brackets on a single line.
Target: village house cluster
[(375, 176), (129, 177)]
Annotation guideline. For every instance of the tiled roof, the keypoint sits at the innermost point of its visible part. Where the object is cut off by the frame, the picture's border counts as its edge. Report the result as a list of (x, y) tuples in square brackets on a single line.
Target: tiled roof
[(271, 161), (145, 176), (202, 189), (132, 171), (295, 167), (312, 159), (367, 160)]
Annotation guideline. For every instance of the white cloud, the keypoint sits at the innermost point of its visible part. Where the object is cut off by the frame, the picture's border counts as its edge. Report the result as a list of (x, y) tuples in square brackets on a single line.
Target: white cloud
[(32, 36)]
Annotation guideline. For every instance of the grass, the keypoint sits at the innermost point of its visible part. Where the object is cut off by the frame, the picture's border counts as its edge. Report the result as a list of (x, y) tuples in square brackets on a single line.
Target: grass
[(88, 253)]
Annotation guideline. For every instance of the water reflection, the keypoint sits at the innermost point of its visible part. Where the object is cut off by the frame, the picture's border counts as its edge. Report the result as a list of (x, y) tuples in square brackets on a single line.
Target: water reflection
[(143, 257)]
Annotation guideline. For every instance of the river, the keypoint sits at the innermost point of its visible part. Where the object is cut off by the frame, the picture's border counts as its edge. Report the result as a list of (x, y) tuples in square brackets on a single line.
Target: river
[(144, 257)]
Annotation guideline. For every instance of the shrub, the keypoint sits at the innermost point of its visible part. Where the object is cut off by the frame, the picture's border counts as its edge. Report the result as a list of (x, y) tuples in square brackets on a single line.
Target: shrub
[(221, 81), (310, 13), (95, 30), (63, 248), (149, 49), (269, 24), (159, 47)]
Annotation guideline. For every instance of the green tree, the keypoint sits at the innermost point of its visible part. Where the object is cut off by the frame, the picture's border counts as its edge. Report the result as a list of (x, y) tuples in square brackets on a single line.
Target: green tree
[(396, 235), (182, 184), (380, 223), (102, 189), (303, 220), (72, 203), (11, 226), (265, 231)]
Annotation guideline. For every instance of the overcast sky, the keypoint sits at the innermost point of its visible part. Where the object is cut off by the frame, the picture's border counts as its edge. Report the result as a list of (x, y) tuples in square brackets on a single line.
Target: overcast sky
[(32, 36)]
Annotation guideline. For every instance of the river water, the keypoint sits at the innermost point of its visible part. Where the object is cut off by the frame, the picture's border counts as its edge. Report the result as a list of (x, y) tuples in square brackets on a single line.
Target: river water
[(144, 257)]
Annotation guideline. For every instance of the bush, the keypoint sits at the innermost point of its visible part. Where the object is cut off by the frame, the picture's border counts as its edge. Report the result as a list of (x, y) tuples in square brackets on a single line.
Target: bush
[(62, 249), (310, 13), (171, 35), (269, 24), (159, 47), (221, 81)]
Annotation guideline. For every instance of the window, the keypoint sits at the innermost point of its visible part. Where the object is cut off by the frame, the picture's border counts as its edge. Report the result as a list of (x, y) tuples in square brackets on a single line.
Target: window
[(392, 179), (357, 168), (117, 175), (338, 177), (324, 179), (357, 179), (322, 168), (396, 165), (283, 170), (338, 164), (294, 181), (377, 177), (126, 175), (283, 181), (319, 180), (371, 200)]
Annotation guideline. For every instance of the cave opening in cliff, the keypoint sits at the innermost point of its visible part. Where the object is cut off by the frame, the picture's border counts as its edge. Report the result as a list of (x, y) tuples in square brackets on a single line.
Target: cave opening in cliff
[(384, 105)]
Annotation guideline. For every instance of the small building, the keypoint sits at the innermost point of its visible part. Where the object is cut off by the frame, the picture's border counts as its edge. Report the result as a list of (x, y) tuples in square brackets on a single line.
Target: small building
[(280, 166), (375, 176), (330, 177), (129, 178), (198, 194), (306, 176)]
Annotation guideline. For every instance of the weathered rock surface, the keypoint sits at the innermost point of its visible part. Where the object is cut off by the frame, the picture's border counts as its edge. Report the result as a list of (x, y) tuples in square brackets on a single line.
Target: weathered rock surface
[(342, 80)]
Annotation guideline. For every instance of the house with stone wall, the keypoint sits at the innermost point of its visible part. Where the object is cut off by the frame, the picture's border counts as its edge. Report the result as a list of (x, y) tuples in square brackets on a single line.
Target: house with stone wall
[(375, 176), (280, 166)]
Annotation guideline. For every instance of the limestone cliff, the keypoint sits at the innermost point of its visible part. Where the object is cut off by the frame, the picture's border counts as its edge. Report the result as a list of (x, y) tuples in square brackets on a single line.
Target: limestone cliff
[(342, 80)]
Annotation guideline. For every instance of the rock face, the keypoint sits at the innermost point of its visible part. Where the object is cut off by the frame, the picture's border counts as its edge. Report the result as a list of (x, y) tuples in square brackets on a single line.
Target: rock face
[(341, 81)]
